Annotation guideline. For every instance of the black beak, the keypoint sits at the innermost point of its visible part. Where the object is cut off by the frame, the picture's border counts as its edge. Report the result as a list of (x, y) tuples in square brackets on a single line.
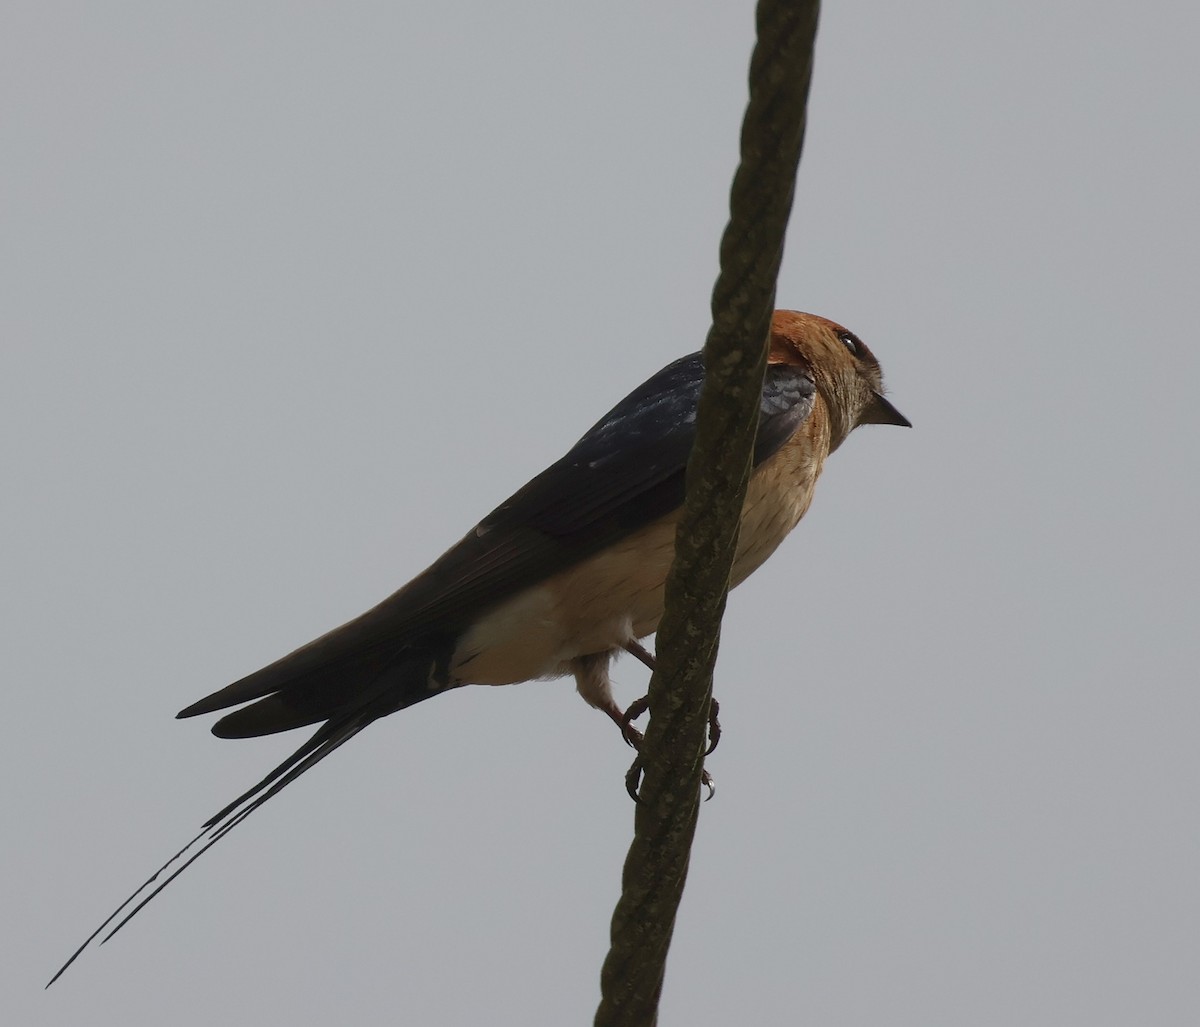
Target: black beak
[(881, 411)]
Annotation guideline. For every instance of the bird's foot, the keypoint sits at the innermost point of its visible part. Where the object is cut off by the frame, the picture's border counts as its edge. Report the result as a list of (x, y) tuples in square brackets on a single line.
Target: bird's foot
[(633, 736)]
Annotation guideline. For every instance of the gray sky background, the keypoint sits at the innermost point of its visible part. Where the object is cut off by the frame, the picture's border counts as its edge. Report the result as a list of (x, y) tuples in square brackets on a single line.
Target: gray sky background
[(293, 293)]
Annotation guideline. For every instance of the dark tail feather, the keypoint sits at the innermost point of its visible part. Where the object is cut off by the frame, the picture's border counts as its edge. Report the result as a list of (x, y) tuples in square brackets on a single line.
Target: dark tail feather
[(116, 912), (320, 745), (382, 698), (225, 821)]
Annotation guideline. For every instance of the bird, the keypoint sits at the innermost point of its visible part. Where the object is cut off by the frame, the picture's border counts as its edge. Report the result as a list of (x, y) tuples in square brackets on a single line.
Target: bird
[(561, 577)]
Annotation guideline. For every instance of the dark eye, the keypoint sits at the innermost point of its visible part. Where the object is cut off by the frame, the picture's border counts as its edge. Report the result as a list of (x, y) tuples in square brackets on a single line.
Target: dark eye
[(851, 342)]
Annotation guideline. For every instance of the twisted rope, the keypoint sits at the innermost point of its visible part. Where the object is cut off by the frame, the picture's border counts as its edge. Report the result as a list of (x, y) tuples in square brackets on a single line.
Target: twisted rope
[(735, 355)]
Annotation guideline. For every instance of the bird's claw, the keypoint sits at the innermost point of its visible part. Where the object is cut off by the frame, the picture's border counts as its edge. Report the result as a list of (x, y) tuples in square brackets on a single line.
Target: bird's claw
[(633, 778), (631, 734), (714, 727)]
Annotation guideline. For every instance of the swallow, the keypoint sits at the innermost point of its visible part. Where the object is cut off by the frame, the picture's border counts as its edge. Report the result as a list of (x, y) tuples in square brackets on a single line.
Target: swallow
[(563, 575)]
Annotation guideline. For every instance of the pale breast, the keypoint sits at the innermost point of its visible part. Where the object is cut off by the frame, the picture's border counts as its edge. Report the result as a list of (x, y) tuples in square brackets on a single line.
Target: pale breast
[(778, 496)]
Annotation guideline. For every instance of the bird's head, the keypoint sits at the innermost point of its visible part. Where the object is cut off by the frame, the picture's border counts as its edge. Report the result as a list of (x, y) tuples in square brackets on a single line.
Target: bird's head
[(846, 373)]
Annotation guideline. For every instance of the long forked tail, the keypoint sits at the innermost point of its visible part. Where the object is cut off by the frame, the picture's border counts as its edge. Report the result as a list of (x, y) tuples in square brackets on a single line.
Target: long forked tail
[(385, 695)]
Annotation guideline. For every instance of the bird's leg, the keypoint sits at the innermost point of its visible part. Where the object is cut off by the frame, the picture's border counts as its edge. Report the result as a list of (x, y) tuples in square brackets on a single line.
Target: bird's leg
[(635, 648), (639, 706)]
